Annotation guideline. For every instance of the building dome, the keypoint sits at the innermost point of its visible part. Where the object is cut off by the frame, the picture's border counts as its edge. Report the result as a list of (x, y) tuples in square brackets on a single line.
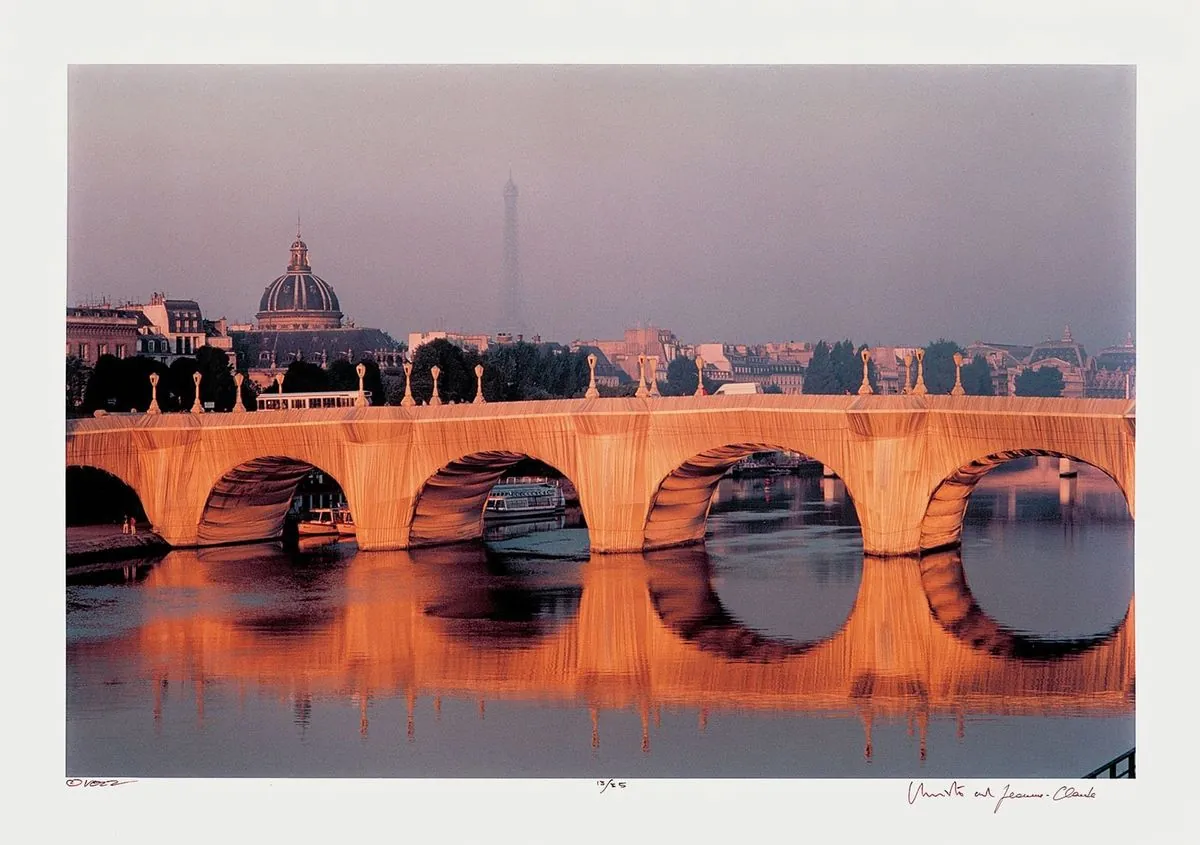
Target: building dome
[(299, 299)]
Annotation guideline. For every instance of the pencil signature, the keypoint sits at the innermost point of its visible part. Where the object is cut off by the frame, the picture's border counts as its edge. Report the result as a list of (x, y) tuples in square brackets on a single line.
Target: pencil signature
[(610, 784), (918, 791), (90, 782)]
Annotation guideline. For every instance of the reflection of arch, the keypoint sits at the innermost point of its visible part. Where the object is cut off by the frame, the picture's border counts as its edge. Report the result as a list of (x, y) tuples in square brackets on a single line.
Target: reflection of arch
[(251, 500), (680, 587), (679, 508), (449, 506), (941, 526), (95, 495), (954, 608), (472, 594)]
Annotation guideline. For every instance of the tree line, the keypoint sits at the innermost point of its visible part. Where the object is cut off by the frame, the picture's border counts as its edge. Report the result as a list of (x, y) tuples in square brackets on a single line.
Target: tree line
[(123, 384), (838, 369), (514, 372)]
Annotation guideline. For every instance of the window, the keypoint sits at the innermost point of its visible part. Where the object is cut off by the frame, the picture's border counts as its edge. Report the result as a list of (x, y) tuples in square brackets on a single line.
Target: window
[(120, 350), (187, 345), (178, 346), (68, 349), (85, 352), (101, 349)]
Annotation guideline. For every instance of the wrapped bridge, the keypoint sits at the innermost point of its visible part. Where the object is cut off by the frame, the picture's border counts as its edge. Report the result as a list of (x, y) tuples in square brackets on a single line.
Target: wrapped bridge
[(645, 468)]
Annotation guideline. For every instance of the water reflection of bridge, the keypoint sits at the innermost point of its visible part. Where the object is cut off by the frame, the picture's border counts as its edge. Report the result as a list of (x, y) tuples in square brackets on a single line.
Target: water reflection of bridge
[(646, 632)]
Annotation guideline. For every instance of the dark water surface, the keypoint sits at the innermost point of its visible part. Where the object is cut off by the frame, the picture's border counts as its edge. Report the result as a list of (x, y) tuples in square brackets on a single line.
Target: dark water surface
[(776, 650)]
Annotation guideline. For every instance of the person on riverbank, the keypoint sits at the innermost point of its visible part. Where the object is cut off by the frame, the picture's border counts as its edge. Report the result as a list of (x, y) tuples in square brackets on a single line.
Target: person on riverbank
[(125, 524)]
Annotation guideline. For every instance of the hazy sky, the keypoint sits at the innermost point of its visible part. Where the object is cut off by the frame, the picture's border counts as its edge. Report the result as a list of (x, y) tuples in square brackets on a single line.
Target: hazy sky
[(886, 204)]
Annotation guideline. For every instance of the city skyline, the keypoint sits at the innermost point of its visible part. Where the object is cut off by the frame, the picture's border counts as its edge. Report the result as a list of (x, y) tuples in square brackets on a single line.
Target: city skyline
[(886, 204)]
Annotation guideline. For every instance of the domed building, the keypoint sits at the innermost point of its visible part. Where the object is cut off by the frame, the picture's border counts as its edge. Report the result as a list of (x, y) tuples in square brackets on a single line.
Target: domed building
[(1066, 356), (300, 319), (299, 299)]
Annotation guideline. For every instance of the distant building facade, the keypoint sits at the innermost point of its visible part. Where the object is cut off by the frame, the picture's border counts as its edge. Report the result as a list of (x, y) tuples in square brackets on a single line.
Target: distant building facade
[(1004, 361), (300, 319), (1111, 373), (767, 365), (1114, 372), (889, 368), (178, 320), (607, 373), (95, 330), (473, 342), (649, 341), (162, 329)]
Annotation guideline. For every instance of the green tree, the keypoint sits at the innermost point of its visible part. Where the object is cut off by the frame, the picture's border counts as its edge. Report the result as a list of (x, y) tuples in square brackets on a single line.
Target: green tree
[(1044, 381), (77, 379), (342, 375), (305, 377), (180, 390), (563, 374), (509, 373), (522, 371), (104, 387), (837, 369), (819, 377), (977, 377), (216, 378), (135, 376), (393, 388), (939, 365), (456, 381), (682, 379)]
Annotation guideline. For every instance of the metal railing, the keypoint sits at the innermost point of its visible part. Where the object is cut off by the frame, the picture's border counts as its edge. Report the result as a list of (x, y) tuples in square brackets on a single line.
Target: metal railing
[(1112, 769)]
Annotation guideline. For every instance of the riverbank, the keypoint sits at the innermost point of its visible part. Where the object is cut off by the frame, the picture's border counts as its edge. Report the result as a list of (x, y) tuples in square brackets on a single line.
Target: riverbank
[(101, 543)]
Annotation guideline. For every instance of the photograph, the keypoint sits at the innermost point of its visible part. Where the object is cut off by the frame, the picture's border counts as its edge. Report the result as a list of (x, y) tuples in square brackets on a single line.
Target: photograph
[(607, 422)]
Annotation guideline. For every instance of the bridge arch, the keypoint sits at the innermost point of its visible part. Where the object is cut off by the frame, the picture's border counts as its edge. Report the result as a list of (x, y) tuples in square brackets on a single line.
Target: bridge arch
[(954, 608), (250, 500), (942, 523), (99, 495), (679, 507), (448, 507)]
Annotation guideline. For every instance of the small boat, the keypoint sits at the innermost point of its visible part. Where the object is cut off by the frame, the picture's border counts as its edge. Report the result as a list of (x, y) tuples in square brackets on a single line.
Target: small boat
[(523, 499), (344, 521), (321, 521), (318, 521)]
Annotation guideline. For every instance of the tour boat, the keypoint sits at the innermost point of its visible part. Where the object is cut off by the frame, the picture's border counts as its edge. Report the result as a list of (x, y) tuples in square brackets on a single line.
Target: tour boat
[(327, 521), (522, 499)]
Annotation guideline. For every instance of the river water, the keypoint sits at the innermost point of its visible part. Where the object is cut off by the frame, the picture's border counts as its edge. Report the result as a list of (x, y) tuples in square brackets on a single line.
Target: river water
[(775, 650)]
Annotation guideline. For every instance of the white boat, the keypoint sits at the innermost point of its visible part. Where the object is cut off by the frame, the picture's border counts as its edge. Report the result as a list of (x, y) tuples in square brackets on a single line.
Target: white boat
[(323, 521), (523, 499), (318, 521)]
